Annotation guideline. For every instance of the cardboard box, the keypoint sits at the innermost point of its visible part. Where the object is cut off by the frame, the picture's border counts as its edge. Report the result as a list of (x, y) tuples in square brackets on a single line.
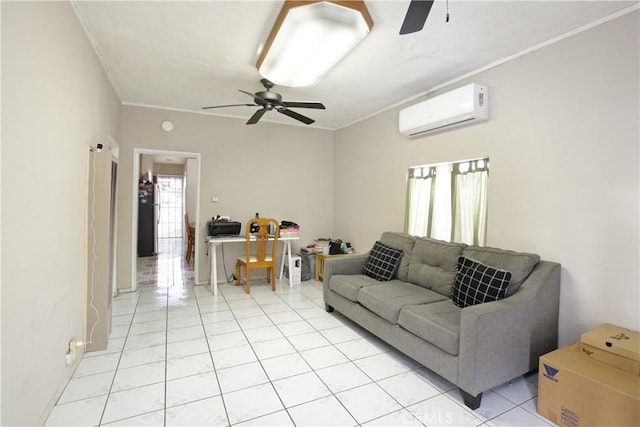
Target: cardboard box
[(576, 390), (613, 345)]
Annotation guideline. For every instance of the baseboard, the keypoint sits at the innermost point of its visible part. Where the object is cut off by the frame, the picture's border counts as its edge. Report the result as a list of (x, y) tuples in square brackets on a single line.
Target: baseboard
[(71, 369)]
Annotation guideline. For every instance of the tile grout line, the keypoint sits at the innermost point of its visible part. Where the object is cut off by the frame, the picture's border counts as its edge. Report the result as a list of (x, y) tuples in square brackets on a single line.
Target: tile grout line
[(333, 394), (166, 361), (115, 373), (213, 363), (166, 310), (260, 361), (298, 352)]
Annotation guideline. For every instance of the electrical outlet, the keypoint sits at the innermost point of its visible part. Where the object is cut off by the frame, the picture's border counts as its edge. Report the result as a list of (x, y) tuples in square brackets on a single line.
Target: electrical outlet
[(70, 356), (73, 348)]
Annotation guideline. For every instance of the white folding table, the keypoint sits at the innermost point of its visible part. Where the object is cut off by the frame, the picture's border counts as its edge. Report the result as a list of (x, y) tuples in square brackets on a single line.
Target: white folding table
[(214, 242)]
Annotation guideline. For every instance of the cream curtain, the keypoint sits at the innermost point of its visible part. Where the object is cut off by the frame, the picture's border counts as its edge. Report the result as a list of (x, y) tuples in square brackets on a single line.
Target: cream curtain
[(469, 198), (449, 201), (419, 200)]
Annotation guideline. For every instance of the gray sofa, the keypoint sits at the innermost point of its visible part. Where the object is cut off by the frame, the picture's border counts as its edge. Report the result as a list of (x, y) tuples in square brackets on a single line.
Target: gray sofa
[(476, 347)]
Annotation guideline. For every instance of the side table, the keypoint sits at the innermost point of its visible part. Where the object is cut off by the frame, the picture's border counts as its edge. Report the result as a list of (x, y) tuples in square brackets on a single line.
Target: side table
[(320, 257)]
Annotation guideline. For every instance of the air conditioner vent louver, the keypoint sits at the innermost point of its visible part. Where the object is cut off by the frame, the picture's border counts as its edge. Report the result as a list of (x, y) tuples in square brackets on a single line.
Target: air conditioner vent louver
[(463, 106)]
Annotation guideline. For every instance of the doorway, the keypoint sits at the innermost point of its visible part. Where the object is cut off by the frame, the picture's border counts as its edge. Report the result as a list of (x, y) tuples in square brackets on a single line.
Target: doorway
[(171, 207), (168, 266), (175, 177)]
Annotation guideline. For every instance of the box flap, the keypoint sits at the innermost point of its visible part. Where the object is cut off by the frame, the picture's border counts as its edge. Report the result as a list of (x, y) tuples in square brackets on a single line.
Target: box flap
[(616, 339)]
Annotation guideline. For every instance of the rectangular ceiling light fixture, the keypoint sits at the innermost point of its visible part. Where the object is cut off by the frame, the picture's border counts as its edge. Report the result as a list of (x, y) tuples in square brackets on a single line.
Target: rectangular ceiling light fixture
[(309, 38)]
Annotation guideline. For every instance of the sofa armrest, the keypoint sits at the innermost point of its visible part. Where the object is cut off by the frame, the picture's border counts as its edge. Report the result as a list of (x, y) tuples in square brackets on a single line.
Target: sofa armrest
[(348, 264), (501, 340)]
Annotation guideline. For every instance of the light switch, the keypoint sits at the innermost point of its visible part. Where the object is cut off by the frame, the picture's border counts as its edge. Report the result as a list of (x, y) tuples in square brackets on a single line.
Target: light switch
[(214, 199)]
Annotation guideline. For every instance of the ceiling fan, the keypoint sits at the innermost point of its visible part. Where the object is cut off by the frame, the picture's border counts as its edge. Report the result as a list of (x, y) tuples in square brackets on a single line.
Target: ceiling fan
[(416, 16), (269, 100)]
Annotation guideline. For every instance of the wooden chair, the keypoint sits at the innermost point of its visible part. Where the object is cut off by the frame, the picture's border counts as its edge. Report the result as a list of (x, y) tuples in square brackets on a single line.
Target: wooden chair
[(261, 250), (191, 237)]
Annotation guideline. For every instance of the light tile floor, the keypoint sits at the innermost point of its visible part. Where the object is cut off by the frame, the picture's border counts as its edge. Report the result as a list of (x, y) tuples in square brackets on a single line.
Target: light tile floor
[(179, 356)]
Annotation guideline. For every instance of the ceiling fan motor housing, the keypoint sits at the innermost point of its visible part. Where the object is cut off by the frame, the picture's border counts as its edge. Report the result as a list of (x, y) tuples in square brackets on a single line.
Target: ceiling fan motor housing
[(270, 97)]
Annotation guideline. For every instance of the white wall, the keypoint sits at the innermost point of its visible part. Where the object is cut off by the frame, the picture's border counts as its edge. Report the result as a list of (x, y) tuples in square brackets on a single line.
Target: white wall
[(281, 171), (563, 141), (56, 102)]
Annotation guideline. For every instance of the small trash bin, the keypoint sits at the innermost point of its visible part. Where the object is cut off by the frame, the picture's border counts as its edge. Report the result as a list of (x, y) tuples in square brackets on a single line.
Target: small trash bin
[(293, 269), (308, 264)]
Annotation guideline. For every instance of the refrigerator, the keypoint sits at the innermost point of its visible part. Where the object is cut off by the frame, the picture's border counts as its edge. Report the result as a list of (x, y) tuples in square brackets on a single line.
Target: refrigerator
[(147, 217)]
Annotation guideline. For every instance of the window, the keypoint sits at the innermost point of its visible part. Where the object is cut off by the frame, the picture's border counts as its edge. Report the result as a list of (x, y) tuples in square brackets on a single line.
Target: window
[(448, 201)]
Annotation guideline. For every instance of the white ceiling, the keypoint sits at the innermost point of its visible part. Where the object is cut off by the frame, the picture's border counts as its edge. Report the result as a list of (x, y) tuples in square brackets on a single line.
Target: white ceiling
[(184, 55)]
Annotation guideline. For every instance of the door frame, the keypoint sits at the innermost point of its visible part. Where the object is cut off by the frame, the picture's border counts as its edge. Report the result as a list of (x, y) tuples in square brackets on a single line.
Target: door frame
[(116, 185), (137, 152)]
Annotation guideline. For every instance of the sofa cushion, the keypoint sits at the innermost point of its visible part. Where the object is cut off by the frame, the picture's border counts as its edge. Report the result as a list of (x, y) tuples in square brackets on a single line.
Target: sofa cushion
[(437, 323), (348, 285), (520, 264), (404, 242), (383, 262), (477, 283), (387, 299), (434, 264)]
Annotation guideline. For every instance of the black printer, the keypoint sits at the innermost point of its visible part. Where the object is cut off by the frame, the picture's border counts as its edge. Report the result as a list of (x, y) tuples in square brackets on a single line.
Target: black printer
[(223, 227)]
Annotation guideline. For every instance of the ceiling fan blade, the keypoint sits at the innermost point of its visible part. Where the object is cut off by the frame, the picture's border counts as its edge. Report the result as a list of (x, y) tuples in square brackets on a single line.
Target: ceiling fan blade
[(256, 116), (416, 16), (253, 95), (230, 105), (316, 105), (304, 119)]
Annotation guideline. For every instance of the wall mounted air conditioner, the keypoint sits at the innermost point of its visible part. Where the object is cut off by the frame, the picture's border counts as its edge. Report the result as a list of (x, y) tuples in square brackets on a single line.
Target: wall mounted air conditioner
[(465, 105)]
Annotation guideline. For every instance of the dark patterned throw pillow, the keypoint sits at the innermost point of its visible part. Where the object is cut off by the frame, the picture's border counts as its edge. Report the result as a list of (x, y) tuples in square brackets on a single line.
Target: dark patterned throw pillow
[(383, 262), (477, 283)]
